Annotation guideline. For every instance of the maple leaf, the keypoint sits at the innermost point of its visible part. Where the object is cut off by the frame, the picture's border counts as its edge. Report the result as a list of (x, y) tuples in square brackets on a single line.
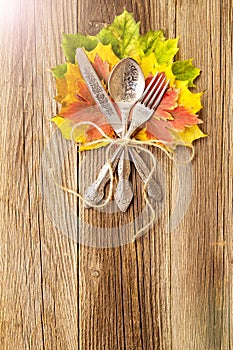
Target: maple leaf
[(182, 118), (71, 42), (78, 105), (84, 133), (167, 105), (123, 34), (61, 90), (102, 69), (83, 99), (190, 134), (155, 129), (72, 77), (59, 71), (188, 99), (66, 127), (165, 50), (105, 52), (103, 59), (150, 66), (149, 41), (185, 70)]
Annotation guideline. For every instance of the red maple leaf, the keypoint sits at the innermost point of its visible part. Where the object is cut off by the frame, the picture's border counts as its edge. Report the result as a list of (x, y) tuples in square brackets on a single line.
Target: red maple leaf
[(159, 129), (102, 68), (167, 104), (84, 109), (183, 118), (169, 115)]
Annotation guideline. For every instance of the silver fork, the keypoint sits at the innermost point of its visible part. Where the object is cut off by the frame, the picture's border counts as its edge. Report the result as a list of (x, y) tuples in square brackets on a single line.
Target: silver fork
[(148, 103)]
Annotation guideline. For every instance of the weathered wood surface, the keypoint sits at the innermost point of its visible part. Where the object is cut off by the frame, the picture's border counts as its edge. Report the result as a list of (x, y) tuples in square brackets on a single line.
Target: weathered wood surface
[(166, 290)]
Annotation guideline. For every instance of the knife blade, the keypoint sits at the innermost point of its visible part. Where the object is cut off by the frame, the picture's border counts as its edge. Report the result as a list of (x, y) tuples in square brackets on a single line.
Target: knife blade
[(98, 92)]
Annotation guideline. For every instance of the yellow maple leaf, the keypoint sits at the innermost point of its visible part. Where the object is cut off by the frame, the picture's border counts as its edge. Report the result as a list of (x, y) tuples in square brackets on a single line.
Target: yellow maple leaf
[(73, 77), (190, 134), (94, 146), (188, 99), (105, 52), (61, 86), (142, 135), (66, 126), (150, 66), (167, 69)]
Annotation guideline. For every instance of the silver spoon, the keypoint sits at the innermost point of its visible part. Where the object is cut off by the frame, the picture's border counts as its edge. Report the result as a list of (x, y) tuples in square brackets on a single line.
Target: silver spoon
[(126, 85)]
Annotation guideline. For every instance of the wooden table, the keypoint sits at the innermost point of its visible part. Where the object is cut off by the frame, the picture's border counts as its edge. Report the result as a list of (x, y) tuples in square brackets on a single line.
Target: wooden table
[(165, 291)]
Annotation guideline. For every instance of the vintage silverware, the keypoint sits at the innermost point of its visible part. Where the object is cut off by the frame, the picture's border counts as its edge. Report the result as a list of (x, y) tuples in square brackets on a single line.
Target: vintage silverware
[(95, 192), (126, 85), (153, 188), (147, 104), (124, 193), (98, 92), (92, 192), (121, 95)]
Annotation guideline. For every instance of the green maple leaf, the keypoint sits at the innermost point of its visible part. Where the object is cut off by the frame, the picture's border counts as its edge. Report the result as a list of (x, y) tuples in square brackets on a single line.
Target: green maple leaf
[(59, 71), (106, 37), (71, 42), (165, 50), (123, 34), (149, 40), (186, 71)]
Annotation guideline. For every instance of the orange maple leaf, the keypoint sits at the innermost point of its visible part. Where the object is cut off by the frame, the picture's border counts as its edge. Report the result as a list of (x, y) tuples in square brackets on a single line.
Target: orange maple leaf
[(183, 118), (168, 104), (79, 105), (169, 116), (158, 129), (102, 68)]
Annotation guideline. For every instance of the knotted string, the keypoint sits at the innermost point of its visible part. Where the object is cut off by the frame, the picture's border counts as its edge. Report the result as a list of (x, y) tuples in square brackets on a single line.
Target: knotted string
[(140, 145)]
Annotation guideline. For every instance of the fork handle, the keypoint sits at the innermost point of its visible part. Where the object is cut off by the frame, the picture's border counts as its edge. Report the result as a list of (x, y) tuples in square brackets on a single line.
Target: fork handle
[(132, 128), (153, 189)]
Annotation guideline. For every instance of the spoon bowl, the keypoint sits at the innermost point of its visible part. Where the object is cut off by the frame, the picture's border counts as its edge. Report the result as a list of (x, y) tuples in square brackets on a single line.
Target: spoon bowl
[(126, 85)]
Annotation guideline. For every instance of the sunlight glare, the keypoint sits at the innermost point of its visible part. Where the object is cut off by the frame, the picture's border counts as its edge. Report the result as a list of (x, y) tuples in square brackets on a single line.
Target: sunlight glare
[(8, 9)]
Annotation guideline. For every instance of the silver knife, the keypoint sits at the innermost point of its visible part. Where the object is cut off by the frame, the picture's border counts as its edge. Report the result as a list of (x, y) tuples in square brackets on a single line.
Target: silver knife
[(98, 92)]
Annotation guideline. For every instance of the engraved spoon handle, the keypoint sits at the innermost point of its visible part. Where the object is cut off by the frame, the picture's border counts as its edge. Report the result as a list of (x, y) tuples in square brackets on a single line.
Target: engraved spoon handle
[(95, 192), (124, 193)]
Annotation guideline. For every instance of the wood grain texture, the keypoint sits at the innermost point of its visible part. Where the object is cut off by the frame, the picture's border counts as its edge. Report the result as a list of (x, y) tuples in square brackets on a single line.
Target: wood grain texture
[(167, 291)]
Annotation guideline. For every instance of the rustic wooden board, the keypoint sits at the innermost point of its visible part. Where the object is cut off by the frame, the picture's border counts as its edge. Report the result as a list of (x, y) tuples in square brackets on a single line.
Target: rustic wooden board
[(165, 291)]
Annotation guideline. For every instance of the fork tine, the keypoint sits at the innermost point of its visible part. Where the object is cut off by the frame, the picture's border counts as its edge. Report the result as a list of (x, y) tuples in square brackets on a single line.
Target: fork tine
[(156, 102), (148, 87), (154, 92)]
